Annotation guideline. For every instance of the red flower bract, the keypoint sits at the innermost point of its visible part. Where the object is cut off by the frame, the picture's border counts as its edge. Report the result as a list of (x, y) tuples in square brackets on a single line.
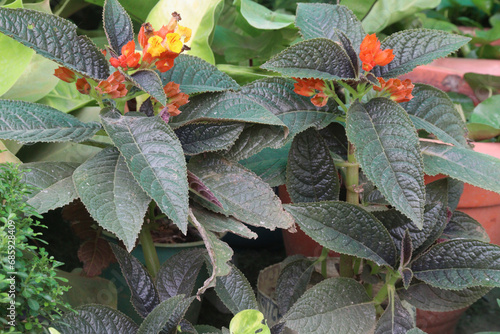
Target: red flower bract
[(113, 86), (175, 97), (64, 74), (83, 86), (371, 54), (128, 59), (400, 90), (312, 87)]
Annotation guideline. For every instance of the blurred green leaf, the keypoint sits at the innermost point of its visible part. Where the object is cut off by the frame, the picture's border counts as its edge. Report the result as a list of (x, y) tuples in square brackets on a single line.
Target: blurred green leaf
[(260, 17)]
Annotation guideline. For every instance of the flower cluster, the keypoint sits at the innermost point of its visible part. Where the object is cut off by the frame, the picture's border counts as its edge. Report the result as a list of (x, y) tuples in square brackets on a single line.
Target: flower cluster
[(371, 55), (159, 50)]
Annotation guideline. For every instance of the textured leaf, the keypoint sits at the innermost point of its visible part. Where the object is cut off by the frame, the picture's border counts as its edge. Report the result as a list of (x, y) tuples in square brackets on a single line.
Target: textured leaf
[(478, 169), (426, 297), (30, 122), (416, 47), (395, 319), (208, 137), (292, 283), (54, 38), (111, 195), (144, 295), (177, 275), (336, 139), (96, 255), (195, 75), (54, 182), (117, 25), (431, 108), (92, 319), (242, 194), (235, 292), (388, 151), (220, 224), (351, 311), (459, 264), (345, 228), (463, 226), (269, 164), (200, 189), (166, 316), (314, 58), (149, 82), (323, 20), (416, 331), (311, 172), (227, 106), (154, 157)]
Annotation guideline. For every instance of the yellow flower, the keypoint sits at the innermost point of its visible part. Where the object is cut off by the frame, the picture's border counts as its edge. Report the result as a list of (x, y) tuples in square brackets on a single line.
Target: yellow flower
[(155, 48), (174, 42), (184, 32)]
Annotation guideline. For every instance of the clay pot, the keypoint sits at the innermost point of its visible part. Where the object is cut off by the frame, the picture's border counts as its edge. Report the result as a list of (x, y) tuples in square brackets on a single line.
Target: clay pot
[(439, 322)]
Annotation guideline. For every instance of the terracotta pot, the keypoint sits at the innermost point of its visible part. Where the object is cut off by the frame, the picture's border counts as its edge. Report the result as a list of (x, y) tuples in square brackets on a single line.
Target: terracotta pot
[(439, 322), (480, 204)]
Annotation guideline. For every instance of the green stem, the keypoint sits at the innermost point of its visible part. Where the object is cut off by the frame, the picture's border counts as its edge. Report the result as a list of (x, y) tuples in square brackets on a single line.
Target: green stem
[(346, 266), (323, 260), (392, 278), (352, 177), (148, 246)]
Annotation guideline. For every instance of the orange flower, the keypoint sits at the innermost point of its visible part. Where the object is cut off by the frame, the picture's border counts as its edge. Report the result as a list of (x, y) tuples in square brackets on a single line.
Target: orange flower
[(83, 86), (128, 59), (64, 74), (371, 54), (145, 33), (312, 87), (320, 99), (175, 97), (113, 86), (400, 91)]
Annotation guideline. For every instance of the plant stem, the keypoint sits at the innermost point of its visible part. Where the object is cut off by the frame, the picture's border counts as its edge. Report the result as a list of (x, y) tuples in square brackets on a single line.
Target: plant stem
[(323, 260), (149, 250)]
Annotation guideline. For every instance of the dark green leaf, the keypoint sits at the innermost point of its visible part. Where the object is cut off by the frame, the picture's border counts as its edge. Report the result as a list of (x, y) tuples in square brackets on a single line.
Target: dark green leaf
[(242, 194), (463, 226), (459, 264), (112, 195), (351, 311), (269, 164), (406, 276), (54, 184), (311, 173), (336, 139), (416, 47), (166, 316), (406, 249), (292, 283), (54, 38), (117, 25), (429, 298), (478, 169), (395, 319), (145, 298), (431, 108), (194, 75), (325, 20), (388, 151), (235, 292), (92, 319), (208, 137), (30, 122), (149, 82), (178, 274), (345, 228), (155, 158), (319, 58)]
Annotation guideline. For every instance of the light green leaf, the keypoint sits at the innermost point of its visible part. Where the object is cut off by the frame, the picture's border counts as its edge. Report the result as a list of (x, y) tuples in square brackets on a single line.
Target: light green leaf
[(459, 264), (426, 297), (319, 58), (195, 75), (487, 113), (432, 110), (235, 292), (311, 173), (155, 158), (242, 194), (7, 155), (166, 316), (29, 122), (65, 97), (14, 57), (345, 228), (112, 196), (351, 311), (260, 17), (198, 15), (416, 47), (478, 169), (54, 38), (323, 20), (386, 12), (54, 182), (249, 322), (117, 25), (388, 151)]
